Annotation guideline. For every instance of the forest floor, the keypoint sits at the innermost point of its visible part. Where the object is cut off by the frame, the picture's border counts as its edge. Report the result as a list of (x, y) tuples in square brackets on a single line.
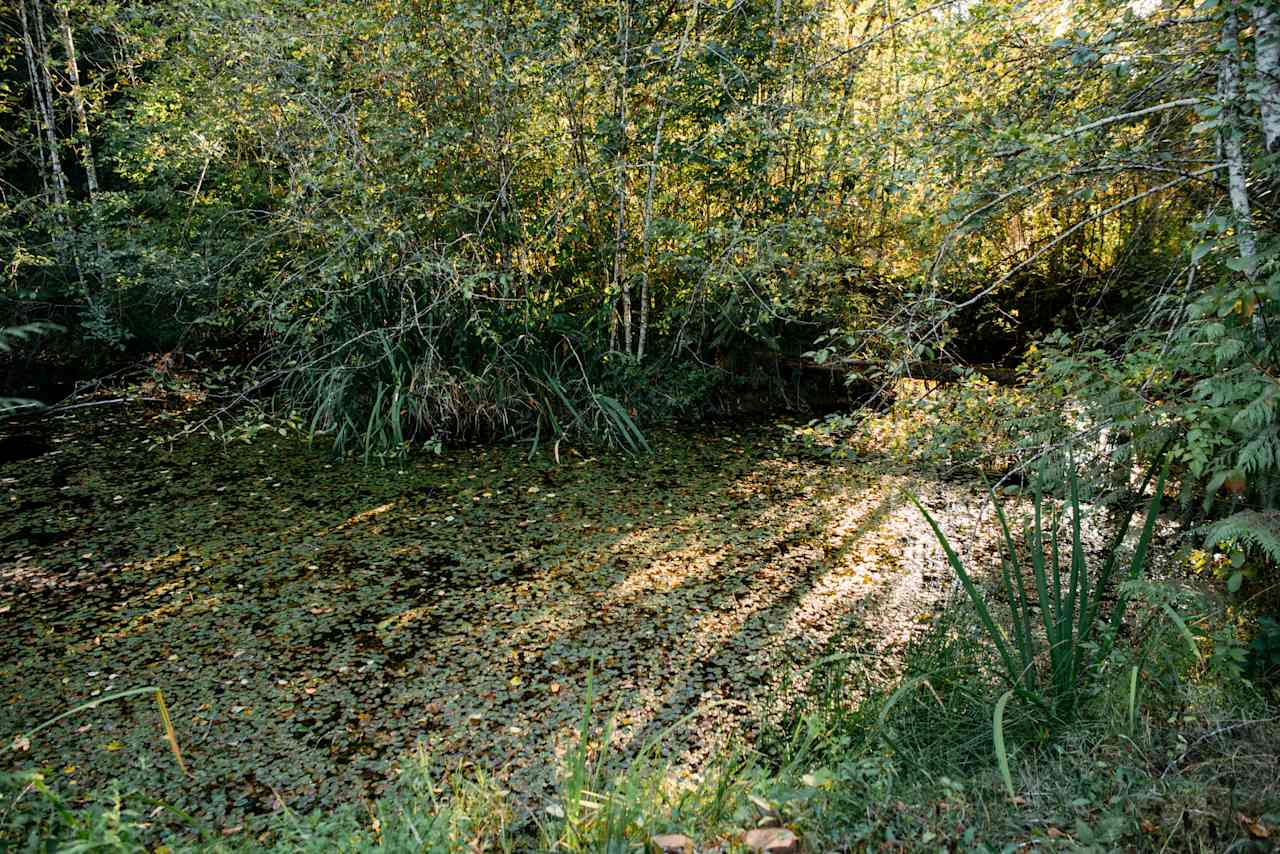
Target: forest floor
[(311, 622)]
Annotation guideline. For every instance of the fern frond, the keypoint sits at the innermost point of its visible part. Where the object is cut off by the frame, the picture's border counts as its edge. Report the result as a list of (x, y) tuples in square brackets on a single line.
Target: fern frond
[(1260, 454), (9, 335), (1257, 414), (1259, 529)]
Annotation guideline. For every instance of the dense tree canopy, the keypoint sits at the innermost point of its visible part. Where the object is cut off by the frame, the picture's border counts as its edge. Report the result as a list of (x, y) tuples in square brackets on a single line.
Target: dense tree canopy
[(442, 220)]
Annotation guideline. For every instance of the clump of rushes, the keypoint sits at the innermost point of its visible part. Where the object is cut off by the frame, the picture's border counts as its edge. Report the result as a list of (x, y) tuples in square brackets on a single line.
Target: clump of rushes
[(1055, 643)]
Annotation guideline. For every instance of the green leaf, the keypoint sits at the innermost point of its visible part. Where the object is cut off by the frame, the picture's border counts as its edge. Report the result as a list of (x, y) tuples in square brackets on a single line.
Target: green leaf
[(997, 737)]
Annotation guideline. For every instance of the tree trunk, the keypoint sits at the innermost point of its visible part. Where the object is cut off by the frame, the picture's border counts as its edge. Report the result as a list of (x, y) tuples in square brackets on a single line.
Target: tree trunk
[(37, 100), (82, 129), (648, 228), (648, 196), (77, 99), (620, 284), (33, 44), (1230, 137), (1266, 25)]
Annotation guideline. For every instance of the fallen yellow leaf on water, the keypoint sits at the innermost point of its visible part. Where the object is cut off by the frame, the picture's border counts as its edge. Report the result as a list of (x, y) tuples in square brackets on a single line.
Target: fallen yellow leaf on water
[(113, 745), (1255, 827)]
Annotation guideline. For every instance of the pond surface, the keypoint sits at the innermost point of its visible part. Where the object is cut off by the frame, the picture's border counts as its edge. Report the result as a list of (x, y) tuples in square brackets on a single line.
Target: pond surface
[(311, 622)]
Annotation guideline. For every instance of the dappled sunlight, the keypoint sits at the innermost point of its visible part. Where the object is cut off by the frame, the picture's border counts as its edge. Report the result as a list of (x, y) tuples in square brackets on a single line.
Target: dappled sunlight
[(181, 604), (471, 605), (444, 380), (804, 599), (25, 575), (672, 570), (366, 515)]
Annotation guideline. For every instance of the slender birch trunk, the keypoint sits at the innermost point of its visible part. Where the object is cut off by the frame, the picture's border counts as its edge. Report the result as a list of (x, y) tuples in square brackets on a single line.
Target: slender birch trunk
[(36, 32), (647, 237), (648, 195), (33, 46), (1230, 138), (620, 284), (82, 129), (36, 98), (1266, 25), (77, 99)]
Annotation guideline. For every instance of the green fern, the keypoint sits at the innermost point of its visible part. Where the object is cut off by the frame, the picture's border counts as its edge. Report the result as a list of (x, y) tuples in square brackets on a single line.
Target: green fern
[(9, 335), (1257, 413), (1252, 529), (1262, 453)]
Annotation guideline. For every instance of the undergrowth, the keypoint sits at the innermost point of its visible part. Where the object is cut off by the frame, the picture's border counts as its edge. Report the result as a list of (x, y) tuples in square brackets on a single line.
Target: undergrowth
[(1191, 767)]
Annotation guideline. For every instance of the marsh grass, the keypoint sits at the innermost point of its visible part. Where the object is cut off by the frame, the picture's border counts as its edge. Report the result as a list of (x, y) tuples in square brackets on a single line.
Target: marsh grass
[(394, 389)]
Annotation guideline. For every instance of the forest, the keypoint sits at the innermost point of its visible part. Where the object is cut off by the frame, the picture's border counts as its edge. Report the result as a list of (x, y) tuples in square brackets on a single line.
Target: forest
[(677, 426)]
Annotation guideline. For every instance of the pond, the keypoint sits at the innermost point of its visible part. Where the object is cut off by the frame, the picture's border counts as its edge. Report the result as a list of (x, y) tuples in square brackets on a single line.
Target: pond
[(312, 621)]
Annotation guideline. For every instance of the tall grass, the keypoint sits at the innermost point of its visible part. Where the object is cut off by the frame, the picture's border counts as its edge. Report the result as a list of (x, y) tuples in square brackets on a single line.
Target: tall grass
[(392, 387)]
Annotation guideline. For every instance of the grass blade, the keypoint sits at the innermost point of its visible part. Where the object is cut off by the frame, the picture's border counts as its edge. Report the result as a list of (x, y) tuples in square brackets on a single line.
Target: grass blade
[(997, 737), (1012, 670), (92, 704), (1113, 553), (1139, 555), (1133, 697), (1011, 577), (1182, 629), (169, 734), (1077, 584)]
